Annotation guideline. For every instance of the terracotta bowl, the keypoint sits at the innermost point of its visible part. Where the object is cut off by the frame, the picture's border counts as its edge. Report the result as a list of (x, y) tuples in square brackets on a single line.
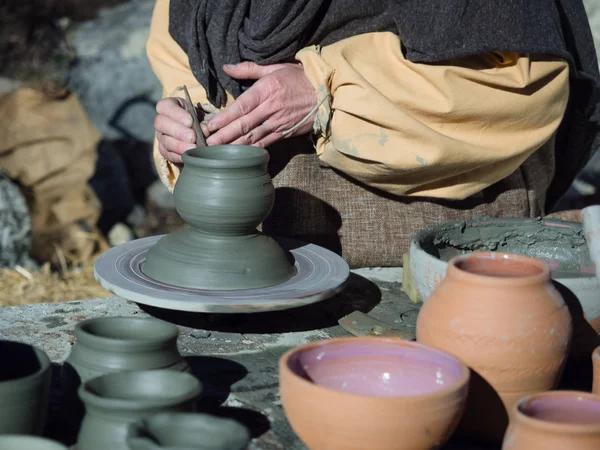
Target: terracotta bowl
[(366, 393)]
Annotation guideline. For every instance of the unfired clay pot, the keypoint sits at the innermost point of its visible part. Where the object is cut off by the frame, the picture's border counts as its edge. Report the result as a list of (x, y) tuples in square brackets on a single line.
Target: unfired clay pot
[(187, 431), (561, 420), (25, 373), (372, 393), (501, 316), (118, 344), (224, 192), (596, 365), (24, 442), (114, 401)]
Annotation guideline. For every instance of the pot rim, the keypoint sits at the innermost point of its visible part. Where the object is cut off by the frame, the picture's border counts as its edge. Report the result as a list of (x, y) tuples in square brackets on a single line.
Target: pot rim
[(164, 336), (205, 156), (452, 387), (92, 398), (457, 272), (552, 426), (30, 439), (45, 364)]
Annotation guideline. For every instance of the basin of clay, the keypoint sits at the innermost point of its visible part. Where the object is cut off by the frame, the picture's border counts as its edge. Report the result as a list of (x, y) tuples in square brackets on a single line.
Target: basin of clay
[(559, 244), (366, 393)]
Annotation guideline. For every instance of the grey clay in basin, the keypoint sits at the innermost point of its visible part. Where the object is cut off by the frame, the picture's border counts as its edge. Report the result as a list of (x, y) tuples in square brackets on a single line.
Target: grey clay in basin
[(181, 431), (223, 193)]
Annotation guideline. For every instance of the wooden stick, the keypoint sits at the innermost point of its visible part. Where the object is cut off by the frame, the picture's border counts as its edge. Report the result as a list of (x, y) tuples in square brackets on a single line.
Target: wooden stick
[(190, 108)]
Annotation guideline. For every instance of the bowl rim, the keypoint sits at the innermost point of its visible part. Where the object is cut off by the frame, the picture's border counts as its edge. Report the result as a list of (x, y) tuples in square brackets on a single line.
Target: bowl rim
[(25, 382), (462, 381), (553, 426), (457, 272)]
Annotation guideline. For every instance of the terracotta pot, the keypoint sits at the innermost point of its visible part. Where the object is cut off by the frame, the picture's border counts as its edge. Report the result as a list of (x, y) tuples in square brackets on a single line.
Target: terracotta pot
[(501, 316), (114, 401), (224, 192), (25, 373), (596, 365), (118, 344), (186, 432), (367, 393), (24, 442), (561, 420)]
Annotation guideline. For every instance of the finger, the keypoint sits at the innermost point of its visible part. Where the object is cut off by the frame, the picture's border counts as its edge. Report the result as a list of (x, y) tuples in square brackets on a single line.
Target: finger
[(173, 145), (171, 127), (245, 104), (161, 149), (254, 135), (175, 158), (268, 140), (248, 70), (240, 127), (172, 107)]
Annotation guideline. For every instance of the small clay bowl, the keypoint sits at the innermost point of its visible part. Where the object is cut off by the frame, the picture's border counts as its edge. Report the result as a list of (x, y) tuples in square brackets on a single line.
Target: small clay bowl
[(366, 393), (188, 431), (25, 442), (121, 344), (556, 420)]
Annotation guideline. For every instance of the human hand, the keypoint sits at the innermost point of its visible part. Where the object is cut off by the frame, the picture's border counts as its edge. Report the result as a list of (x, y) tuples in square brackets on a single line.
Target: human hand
[(173, 126), (279, 100)]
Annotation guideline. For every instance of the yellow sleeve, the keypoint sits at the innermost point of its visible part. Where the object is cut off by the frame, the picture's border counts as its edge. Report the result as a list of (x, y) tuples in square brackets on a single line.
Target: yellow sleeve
[(438, 130)]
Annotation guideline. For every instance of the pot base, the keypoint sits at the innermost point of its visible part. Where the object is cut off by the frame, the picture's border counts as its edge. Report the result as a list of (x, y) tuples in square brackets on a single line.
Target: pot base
[(190, 259)]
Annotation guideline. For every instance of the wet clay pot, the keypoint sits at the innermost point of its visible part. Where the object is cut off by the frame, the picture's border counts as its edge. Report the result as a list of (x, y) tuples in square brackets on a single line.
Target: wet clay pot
[(25, 373), (223, 193), (372, 393), (501, 316), (24, 442), (118, 344), (114, 401), (558, 420), (186, 432), (596, 365)]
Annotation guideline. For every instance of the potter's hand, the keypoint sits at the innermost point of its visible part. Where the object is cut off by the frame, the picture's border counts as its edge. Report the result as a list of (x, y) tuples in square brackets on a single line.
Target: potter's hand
[(173, 127), (279, 100)]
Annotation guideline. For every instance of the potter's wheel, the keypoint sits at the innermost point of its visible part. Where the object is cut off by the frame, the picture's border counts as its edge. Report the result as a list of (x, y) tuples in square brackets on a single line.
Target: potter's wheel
[(320, 275)]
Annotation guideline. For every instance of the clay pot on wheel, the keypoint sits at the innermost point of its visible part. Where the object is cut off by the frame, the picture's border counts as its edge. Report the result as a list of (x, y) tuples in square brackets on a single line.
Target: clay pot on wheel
[(372, 393), (25, 373), (114, 401), (186, 432), (224, 192), (502, 317), (118, 344), (558, 420)]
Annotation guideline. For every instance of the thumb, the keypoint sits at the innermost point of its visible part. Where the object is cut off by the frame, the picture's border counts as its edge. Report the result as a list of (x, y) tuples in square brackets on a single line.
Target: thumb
[(250, 71)]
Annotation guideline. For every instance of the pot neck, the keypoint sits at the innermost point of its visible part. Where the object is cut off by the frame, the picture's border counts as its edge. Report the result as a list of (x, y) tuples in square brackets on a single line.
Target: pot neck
[(498, 270)]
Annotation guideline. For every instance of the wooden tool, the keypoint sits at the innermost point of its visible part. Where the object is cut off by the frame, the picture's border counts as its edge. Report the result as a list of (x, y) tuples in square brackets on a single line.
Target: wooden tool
[(191, 109)]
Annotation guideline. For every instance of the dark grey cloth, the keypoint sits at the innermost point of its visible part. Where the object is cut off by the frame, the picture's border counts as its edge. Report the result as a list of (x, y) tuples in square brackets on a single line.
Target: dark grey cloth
[(217, 32)]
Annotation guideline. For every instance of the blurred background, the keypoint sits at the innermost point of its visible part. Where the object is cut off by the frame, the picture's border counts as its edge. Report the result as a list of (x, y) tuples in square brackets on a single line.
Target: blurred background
[(77, 99)]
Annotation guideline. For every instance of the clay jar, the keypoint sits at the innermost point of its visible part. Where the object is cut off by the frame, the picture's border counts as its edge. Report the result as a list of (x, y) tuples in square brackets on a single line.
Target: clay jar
[(501, 316), (24, 442), (114, 401), (186, 432), (116, 344), (25, 373), (372, 393), (223, 193), (555, 421)]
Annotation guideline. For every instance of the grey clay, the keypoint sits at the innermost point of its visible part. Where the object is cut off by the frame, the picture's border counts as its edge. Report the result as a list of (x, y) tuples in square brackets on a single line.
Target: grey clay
[(223, 193), (181, 431), (117, 344), (25, 374), (24, 442), (114, 401)]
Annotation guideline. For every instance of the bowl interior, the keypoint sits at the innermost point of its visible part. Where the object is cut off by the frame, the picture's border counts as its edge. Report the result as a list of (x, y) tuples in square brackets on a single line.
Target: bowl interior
[(499, 266), (19, 360), (567, 409), (377, 367)]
